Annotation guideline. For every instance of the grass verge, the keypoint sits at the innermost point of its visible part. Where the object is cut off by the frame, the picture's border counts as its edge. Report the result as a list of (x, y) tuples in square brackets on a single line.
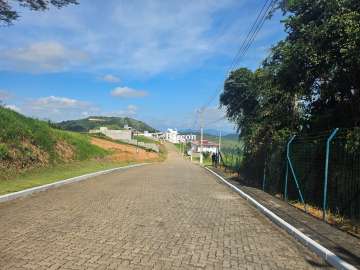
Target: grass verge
[(350, 226), (42, 176)]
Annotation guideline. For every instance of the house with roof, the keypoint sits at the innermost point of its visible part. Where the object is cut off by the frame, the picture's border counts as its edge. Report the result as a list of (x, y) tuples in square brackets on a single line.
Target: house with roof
[(208, 146)]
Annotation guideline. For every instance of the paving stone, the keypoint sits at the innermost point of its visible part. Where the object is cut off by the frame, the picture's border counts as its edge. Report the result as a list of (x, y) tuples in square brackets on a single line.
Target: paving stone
[(172, 215)]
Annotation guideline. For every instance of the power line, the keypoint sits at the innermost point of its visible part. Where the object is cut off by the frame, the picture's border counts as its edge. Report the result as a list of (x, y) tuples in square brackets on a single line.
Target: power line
[(259, 26), (243, 45), (247, 42)]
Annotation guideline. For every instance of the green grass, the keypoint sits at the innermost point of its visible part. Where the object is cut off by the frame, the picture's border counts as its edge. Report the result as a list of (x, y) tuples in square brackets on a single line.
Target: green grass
[(42, 176), (20, 165), (232, 159), (163, 153), (144, 139), (183, 147), (21, 139), (206, 161), (84, 125), (81, 142)]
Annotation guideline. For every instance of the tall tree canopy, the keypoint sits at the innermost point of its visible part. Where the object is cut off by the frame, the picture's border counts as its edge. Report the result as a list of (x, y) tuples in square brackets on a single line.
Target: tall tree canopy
[(310, 81), (320, 59), (8, 14), (312, 76)]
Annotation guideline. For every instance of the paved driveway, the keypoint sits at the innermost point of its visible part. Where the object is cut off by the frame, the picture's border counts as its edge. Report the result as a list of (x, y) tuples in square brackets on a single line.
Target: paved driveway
[(173, 215)]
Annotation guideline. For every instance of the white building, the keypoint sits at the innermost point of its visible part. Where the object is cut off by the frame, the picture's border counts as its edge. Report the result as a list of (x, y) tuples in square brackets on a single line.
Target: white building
[(173, 136), (147, 134), (209, 147), (184, 138), (115, 134)]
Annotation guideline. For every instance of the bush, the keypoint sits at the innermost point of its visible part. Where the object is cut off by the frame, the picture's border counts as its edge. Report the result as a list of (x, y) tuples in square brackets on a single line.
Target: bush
[(4, 151)]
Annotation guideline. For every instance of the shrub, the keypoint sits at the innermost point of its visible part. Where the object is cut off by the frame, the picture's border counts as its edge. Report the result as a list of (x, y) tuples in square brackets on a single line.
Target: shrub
[(4, 151)]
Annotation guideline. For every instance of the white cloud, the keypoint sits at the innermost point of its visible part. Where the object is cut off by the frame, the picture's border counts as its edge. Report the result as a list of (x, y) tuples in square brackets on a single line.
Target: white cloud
[(64, 108), (129, 111), (126, 92), (53, 102), (58, 108), (132, 109), (42, 57), (13, 107), (138, 37), (4, 95), (111, 78)]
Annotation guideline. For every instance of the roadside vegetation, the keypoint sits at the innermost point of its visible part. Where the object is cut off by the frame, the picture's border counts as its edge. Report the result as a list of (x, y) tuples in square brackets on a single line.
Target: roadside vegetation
[(307, 86), (56, 172), (141, 138), (34, 152), (95, 122), (27, 143)]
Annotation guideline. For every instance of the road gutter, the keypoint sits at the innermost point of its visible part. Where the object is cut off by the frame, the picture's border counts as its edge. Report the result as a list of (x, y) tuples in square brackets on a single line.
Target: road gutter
[(30, 191), (321, 251)]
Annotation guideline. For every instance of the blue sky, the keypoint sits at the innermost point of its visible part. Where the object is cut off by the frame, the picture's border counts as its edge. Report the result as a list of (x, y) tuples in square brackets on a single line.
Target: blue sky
[(156, 61)]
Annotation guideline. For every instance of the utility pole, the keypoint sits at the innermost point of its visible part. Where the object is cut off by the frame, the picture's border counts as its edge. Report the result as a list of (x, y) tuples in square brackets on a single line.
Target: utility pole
[(181, 149), (219, 148), (201, 138), (137, 141), (191, 150)]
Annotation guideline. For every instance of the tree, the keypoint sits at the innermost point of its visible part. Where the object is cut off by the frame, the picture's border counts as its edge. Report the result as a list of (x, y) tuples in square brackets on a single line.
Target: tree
[(320, 59), (8, 14), (258, 107), (310, 82)]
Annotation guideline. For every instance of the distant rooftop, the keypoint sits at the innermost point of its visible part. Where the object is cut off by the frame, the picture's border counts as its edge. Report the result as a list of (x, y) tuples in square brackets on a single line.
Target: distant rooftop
[(97, 119), (206, 143)]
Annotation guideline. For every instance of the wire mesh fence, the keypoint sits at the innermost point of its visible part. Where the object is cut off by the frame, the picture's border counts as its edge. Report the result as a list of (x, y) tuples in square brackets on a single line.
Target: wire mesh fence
[(316, 170)]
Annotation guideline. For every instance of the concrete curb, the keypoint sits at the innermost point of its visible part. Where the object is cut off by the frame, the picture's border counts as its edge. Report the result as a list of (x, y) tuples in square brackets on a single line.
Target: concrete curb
[(27, 192), (323, 252)]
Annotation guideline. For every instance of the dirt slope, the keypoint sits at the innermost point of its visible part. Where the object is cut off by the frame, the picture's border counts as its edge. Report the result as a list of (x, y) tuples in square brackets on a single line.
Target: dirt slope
[(123, 152)]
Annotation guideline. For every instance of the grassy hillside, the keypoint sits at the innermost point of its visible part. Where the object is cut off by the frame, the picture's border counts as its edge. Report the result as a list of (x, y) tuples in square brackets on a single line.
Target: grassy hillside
[(26, 144), (144, 139), (227, 142), (94, 122)]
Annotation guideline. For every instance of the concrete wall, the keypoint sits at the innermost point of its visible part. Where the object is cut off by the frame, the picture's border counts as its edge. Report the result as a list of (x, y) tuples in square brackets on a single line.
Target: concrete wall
[(114, 134), (150, 146), (119, 134)]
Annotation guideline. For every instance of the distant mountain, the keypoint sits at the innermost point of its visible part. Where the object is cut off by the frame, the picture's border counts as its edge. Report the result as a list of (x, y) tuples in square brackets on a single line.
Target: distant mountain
[(227, 141), (232, 136), (94, 122), (213, 132)]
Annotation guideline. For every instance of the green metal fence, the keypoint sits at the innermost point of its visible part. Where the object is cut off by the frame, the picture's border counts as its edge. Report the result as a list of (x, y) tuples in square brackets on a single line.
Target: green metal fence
[(321, 170)]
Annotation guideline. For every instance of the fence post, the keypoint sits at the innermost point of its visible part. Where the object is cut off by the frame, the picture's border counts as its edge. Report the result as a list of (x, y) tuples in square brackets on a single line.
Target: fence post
[(293, 171), (287, 166), (286, 180), (264, 176), (332, 135)]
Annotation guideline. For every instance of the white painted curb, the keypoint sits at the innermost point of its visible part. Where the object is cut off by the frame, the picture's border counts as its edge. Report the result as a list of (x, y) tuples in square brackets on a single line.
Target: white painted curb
[(27, 192), (323, 252)]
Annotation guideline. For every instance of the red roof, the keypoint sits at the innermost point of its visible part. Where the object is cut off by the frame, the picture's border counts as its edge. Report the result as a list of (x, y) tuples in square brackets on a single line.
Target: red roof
[(206, 143)]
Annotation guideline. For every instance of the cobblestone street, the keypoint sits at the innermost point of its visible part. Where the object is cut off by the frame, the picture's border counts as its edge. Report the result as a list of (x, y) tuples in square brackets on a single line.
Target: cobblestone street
[(172, 215)]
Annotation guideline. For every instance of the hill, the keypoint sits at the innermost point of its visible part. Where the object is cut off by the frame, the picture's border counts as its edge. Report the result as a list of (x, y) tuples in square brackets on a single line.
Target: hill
[(94, 122), (227, 142), (213, 132), (27, 143)]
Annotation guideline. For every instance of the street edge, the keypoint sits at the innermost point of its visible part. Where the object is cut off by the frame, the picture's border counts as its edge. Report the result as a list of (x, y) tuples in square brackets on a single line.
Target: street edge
[(321, 251), (30, 191)]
